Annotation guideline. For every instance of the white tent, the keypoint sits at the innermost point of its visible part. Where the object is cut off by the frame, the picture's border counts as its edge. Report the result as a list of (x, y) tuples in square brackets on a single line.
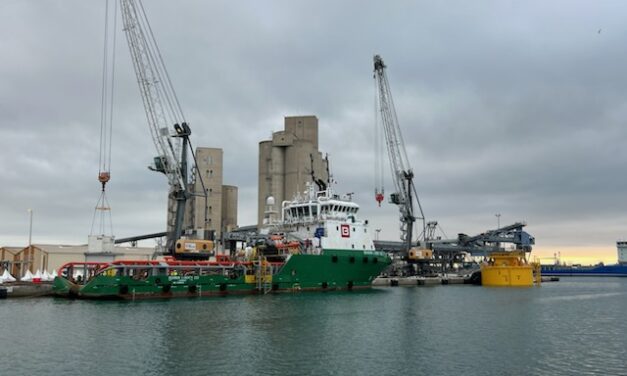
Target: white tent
[(53, 275), (28, 276), (37, 276), (45, 276), (7, 277)]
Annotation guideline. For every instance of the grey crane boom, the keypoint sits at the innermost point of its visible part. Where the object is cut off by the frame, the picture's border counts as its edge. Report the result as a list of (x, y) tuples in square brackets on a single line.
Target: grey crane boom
[(403, 175), (168, 128)]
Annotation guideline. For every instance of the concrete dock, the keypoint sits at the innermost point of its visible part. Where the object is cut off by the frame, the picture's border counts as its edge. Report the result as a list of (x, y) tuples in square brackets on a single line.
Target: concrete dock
[(25, 289), (419, 281)]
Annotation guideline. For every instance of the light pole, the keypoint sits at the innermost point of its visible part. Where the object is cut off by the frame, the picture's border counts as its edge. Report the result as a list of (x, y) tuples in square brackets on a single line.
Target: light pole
[(31, 257), (376, 235), (498, 220), (30, 228)]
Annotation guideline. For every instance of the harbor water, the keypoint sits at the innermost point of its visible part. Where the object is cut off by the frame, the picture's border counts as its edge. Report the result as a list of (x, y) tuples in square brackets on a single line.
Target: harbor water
[(576, 326)]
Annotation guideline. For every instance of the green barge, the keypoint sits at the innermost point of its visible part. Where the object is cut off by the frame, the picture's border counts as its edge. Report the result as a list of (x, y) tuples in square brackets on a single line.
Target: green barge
[(331, 270)]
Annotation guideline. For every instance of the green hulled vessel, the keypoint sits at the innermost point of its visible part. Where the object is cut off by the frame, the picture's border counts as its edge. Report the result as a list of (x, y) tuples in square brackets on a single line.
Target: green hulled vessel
[(318, 244)]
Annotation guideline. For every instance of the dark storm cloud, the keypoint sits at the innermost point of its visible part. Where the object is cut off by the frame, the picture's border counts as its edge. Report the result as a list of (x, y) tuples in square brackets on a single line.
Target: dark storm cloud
[(512, 108)]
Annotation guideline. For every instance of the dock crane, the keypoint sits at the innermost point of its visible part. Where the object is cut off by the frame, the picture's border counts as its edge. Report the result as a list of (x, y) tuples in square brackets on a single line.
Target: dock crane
[(402, 173), (169, 130)]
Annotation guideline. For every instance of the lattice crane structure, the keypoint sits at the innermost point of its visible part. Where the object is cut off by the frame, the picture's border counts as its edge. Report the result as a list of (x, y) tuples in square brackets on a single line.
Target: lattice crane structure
[(402, 173), (169, 130)]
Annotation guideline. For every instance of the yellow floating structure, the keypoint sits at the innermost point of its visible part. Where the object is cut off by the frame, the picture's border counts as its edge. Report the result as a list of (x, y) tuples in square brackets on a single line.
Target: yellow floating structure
[(509, 269)]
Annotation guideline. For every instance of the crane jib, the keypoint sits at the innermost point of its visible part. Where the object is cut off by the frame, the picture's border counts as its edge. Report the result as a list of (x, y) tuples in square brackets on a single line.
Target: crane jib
[(402, 174), (163, 111)]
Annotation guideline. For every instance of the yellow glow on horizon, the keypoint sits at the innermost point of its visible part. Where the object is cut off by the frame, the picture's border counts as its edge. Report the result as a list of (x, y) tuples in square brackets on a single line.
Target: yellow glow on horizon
[(584, 255)]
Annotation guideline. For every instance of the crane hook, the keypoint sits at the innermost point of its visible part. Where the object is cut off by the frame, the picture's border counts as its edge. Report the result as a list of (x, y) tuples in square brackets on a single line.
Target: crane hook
[(104, 177), (379, 197)]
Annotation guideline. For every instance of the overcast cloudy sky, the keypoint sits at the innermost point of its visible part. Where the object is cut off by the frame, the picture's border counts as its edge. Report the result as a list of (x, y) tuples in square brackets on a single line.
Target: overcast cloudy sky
[(509, 107)]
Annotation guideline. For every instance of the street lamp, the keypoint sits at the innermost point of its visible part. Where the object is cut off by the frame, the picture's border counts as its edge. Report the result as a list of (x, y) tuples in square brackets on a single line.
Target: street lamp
[(31, 257), (376, 235), (30, 228), (498, 220)]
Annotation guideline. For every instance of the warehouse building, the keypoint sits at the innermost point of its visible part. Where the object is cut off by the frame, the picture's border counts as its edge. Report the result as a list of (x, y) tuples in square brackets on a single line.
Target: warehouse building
[(18, 260)]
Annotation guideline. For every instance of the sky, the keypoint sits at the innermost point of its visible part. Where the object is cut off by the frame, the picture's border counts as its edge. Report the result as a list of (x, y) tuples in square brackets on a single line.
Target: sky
[(506, 107)]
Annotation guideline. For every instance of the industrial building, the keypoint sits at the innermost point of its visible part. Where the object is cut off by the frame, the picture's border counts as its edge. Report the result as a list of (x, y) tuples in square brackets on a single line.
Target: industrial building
[(17, 260), (218, 213), (288, 160)]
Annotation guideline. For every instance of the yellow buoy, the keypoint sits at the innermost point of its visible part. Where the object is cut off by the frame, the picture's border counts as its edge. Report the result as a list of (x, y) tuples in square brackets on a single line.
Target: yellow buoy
[(509, 269)]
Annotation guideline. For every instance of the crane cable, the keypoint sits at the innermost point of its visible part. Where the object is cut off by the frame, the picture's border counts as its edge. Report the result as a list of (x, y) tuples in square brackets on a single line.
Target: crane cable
[(106, 122)]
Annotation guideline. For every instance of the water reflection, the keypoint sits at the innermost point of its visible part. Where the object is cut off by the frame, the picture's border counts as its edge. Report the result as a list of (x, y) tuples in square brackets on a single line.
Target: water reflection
[(565, 328)]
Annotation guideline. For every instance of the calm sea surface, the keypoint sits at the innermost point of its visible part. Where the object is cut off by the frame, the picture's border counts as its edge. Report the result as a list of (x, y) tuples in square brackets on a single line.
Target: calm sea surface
[(577, 326)]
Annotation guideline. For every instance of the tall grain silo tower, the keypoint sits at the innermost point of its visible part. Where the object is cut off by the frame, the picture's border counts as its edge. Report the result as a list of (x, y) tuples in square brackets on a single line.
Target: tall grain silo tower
[(285, 161)]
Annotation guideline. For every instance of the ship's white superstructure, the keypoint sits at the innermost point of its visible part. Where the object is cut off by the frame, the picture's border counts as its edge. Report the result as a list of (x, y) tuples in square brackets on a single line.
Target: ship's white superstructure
[(324, 220), (621, 248)]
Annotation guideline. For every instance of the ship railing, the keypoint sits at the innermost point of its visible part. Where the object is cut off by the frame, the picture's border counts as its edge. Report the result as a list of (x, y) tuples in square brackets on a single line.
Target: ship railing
[(537, 271), (144, 270), (81, 272), (264, 275)]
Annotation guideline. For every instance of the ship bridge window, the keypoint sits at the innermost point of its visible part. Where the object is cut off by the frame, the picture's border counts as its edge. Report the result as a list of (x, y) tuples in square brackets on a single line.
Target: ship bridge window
[(314, 210), (324, 209), (306, 211)]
